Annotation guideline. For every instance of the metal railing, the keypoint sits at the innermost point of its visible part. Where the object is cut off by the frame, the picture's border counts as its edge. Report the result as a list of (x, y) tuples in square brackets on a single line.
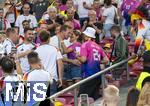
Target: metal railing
[(52, 98)]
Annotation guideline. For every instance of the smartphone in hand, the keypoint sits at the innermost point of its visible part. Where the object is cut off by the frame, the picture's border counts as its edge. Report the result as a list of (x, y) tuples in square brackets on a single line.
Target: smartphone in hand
[(84, 101)]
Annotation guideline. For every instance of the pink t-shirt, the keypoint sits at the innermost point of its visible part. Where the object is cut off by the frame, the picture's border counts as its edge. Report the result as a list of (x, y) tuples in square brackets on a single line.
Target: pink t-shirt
[(76, 24), (94, 54)]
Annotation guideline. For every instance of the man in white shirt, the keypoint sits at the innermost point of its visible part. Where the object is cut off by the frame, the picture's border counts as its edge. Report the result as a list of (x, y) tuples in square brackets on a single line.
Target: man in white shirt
[(10, 41), (25, 48), (51, 59), (82, 7), (25, 16), (37, 76), (62, 37)]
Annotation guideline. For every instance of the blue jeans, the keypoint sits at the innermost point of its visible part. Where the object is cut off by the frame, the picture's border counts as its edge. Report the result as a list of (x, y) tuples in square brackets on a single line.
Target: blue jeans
[(72, 73), (107, 28)]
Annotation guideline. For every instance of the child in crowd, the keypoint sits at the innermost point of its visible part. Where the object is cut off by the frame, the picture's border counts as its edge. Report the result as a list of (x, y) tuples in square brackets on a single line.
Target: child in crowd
[(73, 74), (111, 96)]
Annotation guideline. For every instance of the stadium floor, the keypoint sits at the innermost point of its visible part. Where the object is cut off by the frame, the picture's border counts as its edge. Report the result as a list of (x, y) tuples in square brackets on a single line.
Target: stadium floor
[(123, 93)]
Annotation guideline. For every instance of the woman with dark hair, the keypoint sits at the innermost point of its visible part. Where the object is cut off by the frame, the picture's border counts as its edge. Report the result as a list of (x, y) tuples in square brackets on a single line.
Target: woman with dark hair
[(132, 98)]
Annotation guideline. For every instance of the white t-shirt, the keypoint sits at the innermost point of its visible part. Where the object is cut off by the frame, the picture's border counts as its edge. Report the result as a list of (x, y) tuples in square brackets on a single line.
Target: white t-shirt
[(54, 41), (11, 78), (109, 13), (144, 32), (8, 44), (83, 13), (11, 17), (21, 18), (24, 61), (39, 75), (49, 56)]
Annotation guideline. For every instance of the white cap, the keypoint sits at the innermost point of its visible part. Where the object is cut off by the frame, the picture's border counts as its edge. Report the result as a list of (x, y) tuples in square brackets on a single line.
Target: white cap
[(90, 32)]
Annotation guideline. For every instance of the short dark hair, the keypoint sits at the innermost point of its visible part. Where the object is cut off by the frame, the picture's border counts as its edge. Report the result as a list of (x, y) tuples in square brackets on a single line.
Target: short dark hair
[(33, 58), (25, 21), (116, 28), (28, 29), (146, 56), (7, 64), (10, 30), (64, 28), (1, 9), (44, 36), (27, 3), (108, 2)]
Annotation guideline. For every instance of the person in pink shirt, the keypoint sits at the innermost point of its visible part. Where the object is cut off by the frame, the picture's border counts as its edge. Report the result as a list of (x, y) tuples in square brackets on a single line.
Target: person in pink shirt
[(91, 56), (70, 14), (97, 8)]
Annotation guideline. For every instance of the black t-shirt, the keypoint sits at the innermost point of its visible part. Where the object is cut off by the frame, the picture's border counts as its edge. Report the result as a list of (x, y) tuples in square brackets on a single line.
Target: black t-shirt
[(39, 8), (49, 22)]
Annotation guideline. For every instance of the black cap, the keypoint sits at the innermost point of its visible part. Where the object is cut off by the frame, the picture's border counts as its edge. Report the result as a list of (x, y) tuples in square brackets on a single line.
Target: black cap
[(146, 56), (1, 9)]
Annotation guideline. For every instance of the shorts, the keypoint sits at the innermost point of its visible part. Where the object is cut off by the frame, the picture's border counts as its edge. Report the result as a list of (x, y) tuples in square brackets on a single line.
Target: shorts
[(72, 72)]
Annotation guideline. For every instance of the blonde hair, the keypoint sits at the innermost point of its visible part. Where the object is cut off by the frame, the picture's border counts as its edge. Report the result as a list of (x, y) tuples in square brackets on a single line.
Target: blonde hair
[(111, 95), (144, 98), (52, 8)]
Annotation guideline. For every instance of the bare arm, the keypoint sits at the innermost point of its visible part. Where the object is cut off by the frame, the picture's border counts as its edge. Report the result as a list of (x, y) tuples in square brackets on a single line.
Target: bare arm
[(97, 30), (82, 59), (24, 53), (60, 70), (105, 60), (18, 67), (65, 49)]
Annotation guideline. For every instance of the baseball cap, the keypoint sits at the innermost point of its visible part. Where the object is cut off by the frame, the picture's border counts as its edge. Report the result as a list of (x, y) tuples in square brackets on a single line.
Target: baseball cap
[(90, 32), (107, 45)]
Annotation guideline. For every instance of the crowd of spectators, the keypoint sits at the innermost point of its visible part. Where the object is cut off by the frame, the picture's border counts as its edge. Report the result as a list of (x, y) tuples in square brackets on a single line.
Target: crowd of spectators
[(61, 42)]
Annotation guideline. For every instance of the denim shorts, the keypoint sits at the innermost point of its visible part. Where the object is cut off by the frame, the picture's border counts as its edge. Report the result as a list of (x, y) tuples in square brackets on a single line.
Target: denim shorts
[(71, 72)]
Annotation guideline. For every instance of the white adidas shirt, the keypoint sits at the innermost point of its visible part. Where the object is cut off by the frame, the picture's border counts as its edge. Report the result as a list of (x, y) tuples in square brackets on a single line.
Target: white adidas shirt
[(39, 75), (24, 61)]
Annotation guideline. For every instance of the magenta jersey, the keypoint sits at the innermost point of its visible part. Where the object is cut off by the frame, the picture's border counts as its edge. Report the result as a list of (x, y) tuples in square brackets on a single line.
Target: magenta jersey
[(130, 5), (94, 54)]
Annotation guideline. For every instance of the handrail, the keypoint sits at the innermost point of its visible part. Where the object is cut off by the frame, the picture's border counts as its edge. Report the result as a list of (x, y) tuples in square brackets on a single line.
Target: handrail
[(87, 79)]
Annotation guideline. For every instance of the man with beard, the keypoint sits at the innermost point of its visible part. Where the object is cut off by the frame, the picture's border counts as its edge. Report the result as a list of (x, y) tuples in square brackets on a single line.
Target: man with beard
[(25, 16), (25, 48), (119, 51)]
